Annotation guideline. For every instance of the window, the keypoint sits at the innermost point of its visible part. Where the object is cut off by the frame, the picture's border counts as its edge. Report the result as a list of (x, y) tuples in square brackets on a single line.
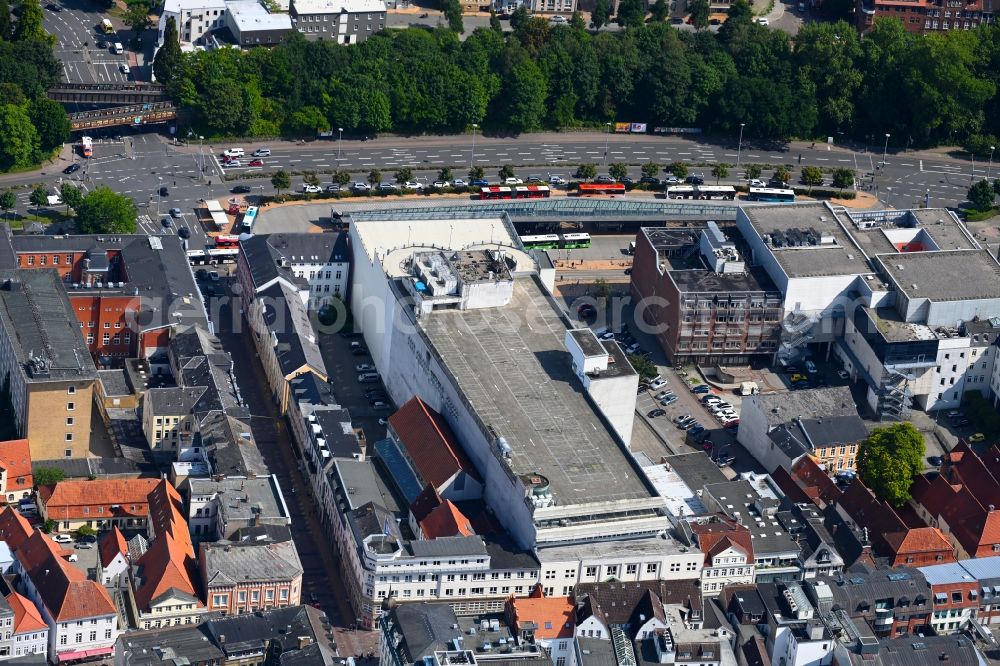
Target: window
[(93, 635), (651, 567), (69, 420), (70, 406), (283, 594), (69, 437), (71, 390), (631, 569), (69, 454)]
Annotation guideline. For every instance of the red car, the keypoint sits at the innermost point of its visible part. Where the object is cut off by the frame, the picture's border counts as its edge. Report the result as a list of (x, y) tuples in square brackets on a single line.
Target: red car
[(256, 163)]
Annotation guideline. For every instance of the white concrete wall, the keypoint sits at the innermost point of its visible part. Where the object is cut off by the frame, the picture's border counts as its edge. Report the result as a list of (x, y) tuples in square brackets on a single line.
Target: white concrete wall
[(753, 435)]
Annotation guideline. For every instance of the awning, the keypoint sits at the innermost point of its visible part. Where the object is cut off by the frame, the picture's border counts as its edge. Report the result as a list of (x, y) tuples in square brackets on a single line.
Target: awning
[(100, 652), (71, 656)]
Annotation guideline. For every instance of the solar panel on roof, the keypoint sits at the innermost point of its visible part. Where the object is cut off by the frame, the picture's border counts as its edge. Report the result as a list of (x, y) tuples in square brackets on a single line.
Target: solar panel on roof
[(400, 470), (899, 576), (857, 581)]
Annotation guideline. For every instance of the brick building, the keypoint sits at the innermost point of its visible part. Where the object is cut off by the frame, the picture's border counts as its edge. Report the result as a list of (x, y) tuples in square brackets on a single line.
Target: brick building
[(100, 503), (925, 16)]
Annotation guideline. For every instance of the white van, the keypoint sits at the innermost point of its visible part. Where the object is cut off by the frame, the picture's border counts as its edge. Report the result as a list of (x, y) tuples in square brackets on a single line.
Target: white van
[(262, 152), (233, 152), (117, 48)]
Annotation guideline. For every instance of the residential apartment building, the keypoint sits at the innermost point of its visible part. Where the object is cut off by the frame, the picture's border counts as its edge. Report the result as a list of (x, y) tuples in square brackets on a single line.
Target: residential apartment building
[(249, 577), (16, 480), (195, 19), (779, 428), (112, 557), (547, 622), (218, 507), (956, 597), (727, 549), (892, 602), (316, 264), (98, 503), (24, 631), (707, 304), (927, 16), (51, 373), (251, 24), (343, 21)]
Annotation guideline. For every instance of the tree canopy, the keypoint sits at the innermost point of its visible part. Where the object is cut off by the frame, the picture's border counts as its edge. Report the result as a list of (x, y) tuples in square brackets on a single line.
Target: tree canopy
[(889, 459), (103, 211)]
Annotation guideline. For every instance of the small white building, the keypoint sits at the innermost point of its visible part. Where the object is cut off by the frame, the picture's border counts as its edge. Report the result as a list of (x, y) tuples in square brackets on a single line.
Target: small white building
[(194, 18)]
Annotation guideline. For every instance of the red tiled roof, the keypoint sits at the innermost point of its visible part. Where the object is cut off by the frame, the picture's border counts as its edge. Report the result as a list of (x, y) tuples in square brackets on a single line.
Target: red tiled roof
[(430, 443), (15, 457), (166, 512), (808, 473), (26, 615), (918, 541), (879, 517), (712, 532), (167, 565), (67, 499), (426, 502), (111, 544), (446, 521), (14, 528), (64, 589), (554, 616)]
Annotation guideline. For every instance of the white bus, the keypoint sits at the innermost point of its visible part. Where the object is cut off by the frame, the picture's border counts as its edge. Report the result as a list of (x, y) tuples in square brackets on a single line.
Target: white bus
[(771, 194), (716, 192), (681, 192), (249, 218)]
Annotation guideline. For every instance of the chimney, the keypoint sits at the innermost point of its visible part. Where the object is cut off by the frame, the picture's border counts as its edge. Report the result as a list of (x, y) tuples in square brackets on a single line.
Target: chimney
[(222, 639)]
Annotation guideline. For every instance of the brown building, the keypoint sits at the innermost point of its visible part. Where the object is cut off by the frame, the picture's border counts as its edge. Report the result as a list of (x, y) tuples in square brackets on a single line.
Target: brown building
[(705, 304), (922, 16), (48, 369)]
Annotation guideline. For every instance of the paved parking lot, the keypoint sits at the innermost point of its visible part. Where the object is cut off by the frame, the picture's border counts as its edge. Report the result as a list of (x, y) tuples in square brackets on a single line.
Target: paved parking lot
[(340, 367)]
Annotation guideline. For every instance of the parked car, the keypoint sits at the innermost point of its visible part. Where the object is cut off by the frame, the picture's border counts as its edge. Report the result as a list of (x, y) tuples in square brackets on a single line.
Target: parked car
[(935, 461), (701, 388), (62, 538), (811, 367), (262, 152), (656, 412), (241, 189), (671, 180), (761, 20), (962, 422), (233, 152), (256, 163), (666, 402), (695, 179), (480, 182), (441, 183), (843, 374), (556, 180), (184, 233), (513, 181), (231, 164), (696, 429), (663, 394), (649, 180), (125, 69), (682, 418), (413, 185), (977, 437), (364, 367), (725, 460), (311, 189), (732, 425), (459, 182), (361, 186), (333, 187), (558, 19), (659, 382), (757, 182)]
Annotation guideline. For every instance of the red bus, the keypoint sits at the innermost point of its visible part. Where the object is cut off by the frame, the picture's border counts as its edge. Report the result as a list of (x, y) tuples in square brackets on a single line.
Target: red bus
[(589, 189), (519, 192), (227, 241)]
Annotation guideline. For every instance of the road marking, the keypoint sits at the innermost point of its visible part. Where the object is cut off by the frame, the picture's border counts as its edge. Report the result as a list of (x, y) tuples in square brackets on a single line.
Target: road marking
[(822, 159), (683, 153)]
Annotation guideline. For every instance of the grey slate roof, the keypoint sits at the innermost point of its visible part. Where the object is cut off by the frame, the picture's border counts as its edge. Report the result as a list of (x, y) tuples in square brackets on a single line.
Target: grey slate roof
[(810, 403), (167, 647), (228, 563), (250, 631), (424, 628), (288, 323), (230, 446), (833, 430), (338, 432), (442, 546), (264, 254), (956, 650), (115, 382)]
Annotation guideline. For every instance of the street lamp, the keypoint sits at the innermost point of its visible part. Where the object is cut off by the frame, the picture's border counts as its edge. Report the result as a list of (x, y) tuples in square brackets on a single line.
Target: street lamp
[(885, 148), (201, 156), (739, 146), (607, 135), (472, 159), (989, 166), (340, 139), (159, 192)]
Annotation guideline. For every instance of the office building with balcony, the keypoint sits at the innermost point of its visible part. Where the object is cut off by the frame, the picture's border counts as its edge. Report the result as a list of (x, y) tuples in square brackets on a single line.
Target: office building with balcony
[(707, 304)]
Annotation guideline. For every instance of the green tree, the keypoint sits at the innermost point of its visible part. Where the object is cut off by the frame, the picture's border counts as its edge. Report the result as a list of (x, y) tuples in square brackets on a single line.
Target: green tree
[(86, 531), (29, 23), (660, 10), (576, 21), (645, 368), (699, 11), (453, 12), (981, 195), (49, 525), (310, 178), (586, 172), (48, 476), (506, 171), (70, 195), (843, 178), (679, 169), (281, 180), (601, 15), (618, 171), (650, 169), (168, 58), (103, 211), (753, 171), (39, 197), (5, 23), (308, 121), (720, 171), (20, 140), (8, 200), (446, 175), (782, 174), (524, 93), (631, 13), (889, 458), (403, 174), (51, 123), (341, 177), (477, 173), (374, 177), (495, 24), (137, 16), (519, 18), (811, 175)]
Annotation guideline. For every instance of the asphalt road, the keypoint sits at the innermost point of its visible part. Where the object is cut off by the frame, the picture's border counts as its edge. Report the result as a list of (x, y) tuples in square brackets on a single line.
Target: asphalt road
[(903, 182), (76, 31)]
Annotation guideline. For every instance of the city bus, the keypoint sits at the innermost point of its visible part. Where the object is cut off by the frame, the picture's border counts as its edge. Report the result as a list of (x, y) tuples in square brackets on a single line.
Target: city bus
[(770, 194), (541, 242), (86, 146), (590, 189), (716, 192), (249, 218), (572, 241), (519, 192), (681, 192), (226, 241)]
